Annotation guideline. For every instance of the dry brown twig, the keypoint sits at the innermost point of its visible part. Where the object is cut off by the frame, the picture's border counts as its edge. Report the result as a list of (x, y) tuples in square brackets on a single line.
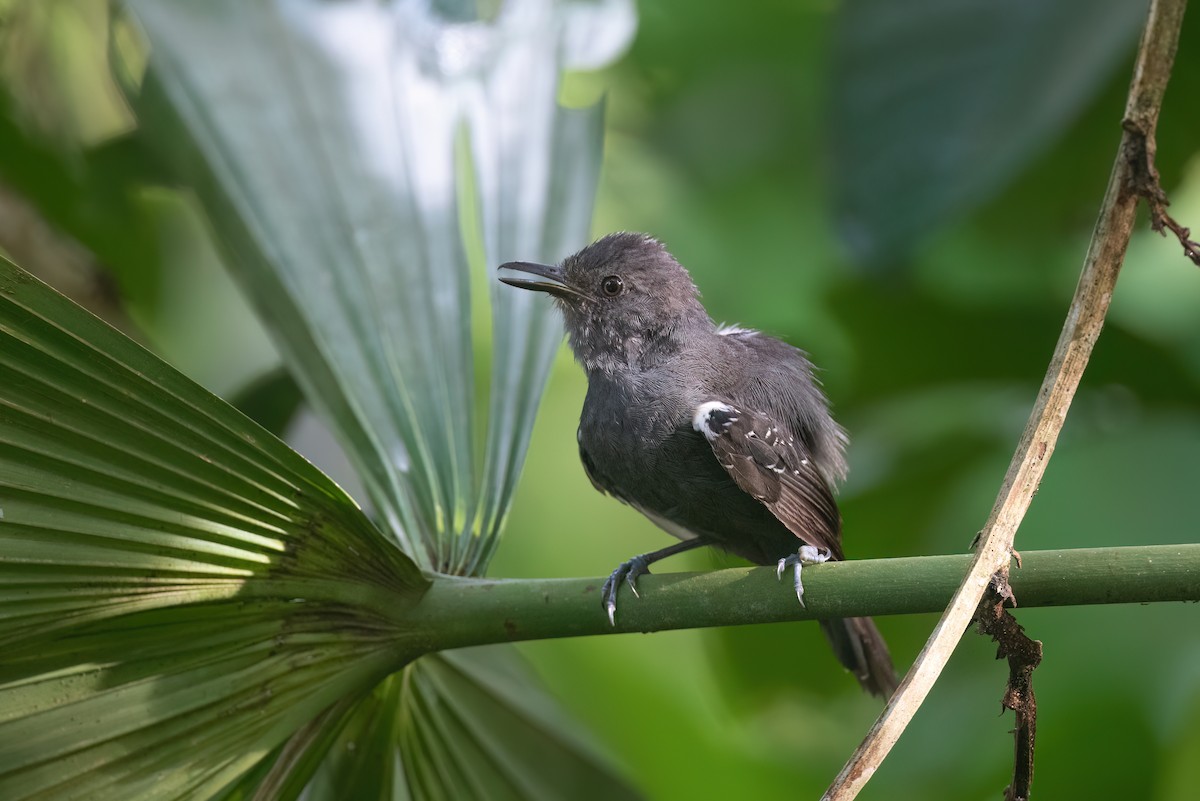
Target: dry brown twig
[(1085, 318), (1145, 181), (1024, 655)]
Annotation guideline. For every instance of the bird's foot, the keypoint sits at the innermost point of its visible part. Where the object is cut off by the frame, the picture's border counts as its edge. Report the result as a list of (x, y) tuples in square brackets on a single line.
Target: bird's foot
[(807, 555), (629, 571)]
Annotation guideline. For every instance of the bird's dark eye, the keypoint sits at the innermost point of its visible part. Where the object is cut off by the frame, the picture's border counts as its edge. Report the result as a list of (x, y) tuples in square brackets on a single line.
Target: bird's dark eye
[(612, 286)]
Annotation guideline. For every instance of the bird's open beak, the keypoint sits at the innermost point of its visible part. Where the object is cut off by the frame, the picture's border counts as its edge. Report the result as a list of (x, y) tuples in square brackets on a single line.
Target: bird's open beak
[(553, 283)]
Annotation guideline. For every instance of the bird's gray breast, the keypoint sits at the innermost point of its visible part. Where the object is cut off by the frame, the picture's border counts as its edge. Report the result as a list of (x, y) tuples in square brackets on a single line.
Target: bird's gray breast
[(636, 440), (640, 447)]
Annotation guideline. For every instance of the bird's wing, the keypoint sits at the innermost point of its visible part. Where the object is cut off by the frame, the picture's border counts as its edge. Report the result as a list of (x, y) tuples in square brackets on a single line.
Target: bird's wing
[(768, 461)]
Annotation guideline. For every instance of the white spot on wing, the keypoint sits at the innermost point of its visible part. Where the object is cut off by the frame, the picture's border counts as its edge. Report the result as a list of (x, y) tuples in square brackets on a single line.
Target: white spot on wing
[(730, 330), (701, 421)]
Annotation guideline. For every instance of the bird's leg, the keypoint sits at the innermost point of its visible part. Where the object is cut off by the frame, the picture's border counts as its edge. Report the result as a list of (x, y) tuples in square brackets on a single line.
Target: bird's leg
[(639, 566), (807, 555)]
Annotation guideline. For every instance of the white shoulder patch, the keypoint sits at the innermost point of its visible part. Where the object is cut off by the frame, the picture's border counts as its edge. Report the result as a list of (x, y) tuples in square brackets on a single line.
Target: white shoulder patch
[(701, 419), (729, 330)]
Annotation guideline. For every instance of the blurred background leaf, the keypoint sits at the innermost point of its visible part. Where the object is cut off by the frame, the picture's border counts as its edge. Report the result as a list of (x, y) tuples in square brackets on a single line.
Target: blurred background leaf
[(272, 400), (721, 137), (722, 140), (942, 103)]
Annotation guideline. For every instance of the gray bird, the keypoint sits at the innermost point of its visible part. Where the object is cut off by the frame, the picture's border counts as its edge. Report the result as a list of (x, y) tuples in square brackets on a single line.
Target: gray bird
[(721, 436)]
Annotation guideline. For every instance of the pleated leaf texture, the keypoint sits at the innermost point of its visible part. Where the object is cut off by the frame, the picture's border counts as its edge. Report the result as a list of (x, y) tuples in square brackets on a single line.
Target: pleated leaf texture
[(327, 144), (179, 591)]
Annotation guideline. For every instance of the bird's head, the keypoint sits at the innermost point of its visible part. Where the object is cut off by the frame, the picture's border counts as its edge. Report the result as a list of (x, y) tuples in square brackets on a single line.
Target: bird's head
[(625, 300)]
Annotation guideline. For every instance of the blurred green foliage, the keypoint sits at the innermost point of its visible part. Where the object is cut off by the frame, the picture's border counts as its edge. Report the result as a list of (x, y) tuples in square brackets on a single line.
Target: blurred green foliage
[(721, 139), (721, 143)]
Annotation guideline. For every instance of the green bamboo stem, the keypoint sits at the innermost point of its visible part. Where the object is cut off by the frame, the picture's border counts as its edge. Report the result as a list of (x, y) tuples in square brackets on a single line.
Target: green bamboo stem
[(458, 612)]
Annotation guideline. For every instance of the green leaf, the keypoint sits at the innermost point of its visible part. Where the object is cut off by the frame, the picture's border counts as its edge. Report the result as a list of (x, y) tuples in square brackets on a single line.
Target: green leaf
[(321, 140), (491, 733), (325, 143), (179, 591), (563, 159), (364, 763), (283, 774), (466, 724), (89, 195), (272, 400), (937, 104)]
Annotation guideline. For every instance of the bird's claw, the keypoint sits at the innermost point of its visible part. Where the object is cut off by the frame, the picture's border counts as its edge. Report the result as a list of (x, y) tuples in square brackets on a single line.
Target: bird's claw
[(629, 572), (807, 555)]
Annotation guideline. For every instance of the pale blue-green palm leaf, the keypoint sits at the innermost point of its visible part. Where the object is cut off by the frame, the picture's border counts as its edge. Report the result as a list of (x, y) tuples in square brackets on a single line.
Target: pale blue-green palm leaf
[(322, 141)]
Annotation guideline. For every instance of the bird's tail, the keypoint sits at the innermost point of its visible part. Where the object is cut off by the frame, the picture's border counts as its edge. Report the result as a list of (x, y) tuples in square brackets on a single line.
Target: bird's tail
[(861, 648)]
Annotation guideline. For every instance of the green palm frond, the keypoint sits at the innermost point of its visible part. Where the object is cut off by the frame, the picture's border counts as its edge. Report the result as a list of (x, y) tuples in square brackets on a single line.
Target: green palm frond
[(179, 591), (204, 605), (322, 141)]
